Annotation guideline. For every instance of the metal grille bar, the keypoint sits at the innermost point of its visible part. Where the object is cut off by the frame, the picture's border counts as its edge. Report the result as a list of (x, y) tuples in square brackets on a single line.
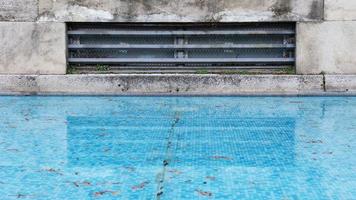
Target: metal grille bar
[(179, 60), (182, 33), (179, 47), (168, 46)]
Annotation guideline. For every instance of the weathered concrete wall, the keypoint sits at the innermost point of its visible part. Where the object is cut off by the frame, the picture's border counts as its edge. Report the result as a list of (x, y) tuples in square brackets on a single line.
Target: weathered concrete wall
[(325, 35), (161, 10), (180, 10), (18, 10), (32, 48), (161, 84), (327, 47), (340, 9)]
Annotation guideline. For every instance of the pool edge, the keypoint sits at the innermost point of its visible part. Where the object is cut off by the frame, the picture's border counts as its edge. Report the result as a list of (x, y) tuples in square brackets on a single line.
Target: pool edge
[(179, 85)]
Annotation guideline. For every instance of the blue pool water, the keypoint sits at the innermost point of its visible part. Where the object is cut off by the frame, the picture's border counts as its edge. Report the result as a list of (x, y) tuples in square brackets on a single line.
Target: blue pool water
[(171, 148)]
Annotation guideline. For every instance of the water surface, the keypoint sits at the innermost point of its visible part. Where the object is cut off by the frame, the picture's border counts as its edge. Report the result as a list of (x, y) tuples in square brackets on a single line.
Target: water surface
[(177, 148)]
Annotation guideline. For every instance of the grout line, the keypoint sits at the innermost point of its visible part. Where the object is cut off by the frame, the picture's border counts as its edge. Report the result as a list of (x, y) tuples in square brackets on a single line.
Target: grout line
[(168, 156)]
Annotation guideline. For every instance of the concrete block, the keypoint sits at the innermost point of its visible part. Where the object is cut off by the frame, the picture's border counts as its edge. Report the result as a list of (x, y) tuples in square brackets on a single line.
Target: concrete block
[(176, 84), (167, 84), (10, 84), (18, 10), (180, 10), (340, 83), (32, 48), (340, 10), (327, 47)]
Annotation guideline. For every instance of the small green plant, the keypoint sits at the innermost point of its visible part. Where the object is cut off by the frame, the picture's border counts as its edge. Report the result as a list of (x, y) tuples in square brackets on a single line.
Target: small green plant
[(202, 71), (239, 72), (71, 69), (102, 68), (289, 70)]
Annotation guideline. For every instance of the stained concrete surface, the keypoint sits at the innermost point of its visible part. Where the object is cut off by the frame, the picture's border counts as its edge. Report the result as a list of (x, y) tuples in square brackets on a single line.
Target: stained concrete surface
[(32, 48), (180, 10), (161, 84), (326, 47), (340, 10), (18, 10)]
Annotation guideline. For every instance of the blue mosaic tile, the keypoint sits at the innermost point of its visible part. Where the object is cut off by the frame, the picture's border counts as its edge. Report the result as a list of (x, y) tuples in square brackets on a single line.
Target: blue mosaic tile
[(281, 148)]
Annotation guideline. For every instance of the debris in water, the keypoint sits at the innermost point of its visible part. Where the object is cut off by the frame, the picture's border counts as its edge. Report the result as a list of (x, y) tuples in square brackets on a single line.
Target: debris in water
[(86, 183), (109, 183), (315, 142), (212, 178), (140, 186), (23, 196), (160, 193), (101, 193), (20, 196), (204, 193), (13, 150), (175, 171), (165, 162), (221, 158), (328, 153), (56, 171), (131, 169)]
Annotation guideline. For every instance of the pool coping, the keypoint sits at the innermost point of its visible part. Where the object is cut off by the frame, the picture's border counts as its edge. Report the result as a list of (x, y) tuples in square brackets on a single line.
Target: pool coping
[(179, 85)]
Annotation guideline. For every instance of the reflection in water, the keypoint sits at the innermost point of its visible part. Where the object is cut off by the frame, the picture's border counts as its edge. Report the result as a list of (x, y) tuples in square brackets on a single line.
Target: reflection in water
[(177, 148), (139, 141)]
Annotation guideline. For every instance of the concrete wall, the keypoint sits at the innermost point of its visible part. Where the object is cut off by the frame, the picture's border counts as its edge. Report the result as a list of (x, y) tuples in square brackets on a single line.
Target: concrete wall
[(32, 48), (340, 10), (328, 46), (326, 28), (18, 10), (161, 10), (180, 10)]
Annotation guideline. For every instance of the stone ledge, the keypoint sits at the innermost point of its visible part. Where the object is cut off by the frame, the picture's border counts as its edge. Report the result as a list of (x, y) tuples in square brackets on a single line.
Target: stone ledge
[(162, 84), (340, 83)]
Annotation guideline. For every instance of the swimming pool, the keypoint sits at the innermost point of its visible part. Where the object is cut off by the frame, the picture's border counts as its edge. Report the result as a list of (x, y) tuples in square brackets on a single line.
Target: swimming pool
[(177, 148)]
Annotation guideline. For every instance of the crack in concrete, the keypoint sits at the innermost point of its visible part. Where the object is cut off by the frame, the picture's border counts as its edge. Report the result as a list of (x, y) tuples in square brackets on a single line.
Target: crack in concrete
[(167, 158), (324, 82)]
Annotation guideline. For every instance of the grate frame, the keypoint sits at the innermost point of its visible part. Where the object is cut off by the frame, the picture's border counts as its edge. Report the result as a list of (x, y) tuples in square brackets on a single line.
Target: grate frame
[(180, 47)]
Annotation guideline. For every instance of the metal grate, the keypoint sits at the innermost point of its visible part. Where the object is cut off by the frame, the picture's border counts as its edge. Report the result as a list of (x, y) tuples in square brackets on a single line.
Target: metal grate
[(181, 47)]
